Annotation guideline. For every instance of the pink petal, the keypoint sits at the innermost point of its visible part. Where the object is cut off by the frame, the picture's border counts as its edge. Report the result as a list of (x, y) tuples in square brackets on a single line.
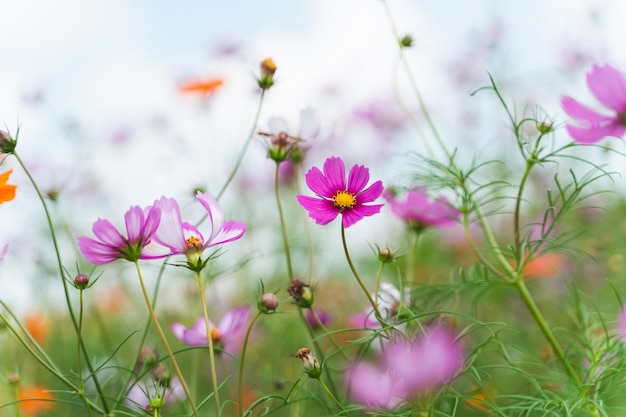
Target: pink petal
[(349, 217), (215, 213), (277, 125), (322, 211), (609, 86), (134, 219), (583, 113), (594, 134), (371, 193), (170, 231), (153, 219), (96, 252), (335, 172), (231, 230), (318, 183), (3, 251), (358, 178), (108, 234), (233, 320)]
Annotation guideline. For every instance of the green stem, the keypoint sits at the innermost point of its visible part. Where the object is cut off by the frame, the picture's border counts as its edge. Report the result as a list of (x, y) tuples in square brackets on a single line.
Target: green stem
[(520, 284), (241, 361), (157, 326), (330, 394), (328, 334), (207, 324), (79, 367), (518, 204), (283, 227), (65, 286), (243, 150), (379, 317), (379, 275)]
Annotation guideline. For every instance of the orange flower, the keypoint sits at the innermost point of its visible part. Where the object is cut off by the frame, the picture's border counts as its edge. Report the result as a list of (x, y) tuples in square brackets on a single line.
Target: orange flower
[(7, 191), (202, 87), (544, 266), (35, 400), (37, 325)]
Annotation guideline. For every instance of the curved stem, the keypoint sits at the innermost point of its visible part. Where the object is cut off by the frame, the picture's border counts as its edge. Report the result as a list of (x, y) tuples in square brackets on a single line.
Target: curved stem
[(207, 324), (379, 317), (330, 394), (41, 197), (241, 361), (157, 326), (283, 228)]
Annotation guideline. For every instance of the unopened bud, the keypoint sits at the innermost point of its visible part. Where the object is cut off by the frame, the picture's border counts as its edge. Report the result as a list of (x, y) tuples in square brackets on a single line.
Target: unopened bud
[(161, 374), (545, 127), (268, 303), (301, 293), (268, 68), (13, 378), (147, 357), (386, 255), (309, 362), (406, 41), (7, 143), (81, 281)]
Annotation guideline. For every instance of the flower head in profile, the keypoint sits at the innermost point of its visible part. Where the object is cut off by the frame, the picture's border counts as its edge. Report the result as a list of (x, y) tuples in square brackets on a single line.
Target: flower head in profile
[(338, 196), (608, 86), (227, 334), (7, 191), (112, 245), (179, 237), (420, 212)]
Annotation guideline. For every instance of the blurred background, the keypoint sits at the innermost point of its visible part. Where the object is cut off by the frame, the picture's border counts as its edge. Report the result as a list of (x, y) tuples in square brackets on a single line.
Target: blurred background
[(97, 91)]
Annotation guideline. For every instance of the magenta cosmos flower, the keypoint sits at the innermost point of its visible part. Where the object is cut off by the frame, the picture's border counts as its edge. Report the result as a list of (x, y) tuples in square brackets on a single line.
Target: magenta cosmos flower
[(112, 245), (227, 334), (608, 86), (406, 369), (420, 212), (180, 237), (336, 196)]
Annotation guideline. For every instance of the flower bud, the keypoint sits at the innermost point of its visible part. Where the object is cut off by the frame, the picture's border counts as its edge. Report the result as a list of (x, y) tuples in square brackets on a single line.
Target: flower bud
[(301, 293), (268, 68), (406, 41), (386, 255), (147, 357), (7, 143), (161, 374), (268, 303), (81, 281), (13, 378), (545, 127), (309, 362)]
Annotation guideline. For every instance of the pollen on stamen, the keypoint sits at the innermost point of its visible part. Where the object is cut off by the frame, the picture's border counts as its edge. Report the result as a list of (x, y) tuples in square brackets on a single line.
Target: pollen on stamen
[(194, 242), (344, 199)]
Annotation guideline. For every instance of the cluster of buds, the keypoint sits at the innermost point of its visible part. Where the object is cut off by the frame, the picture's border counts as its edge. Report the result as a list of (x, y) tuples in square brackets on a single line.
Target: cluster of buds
[(301, 293), (309, 362)]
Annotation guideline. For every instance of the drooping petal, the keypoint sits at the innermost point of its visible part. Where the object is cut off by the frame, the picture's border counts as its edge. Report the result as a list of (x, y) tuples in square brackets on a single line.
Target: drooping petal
[(231, 230), (583, 113), (216, 216), (318, 183), (594, 134), (108, 234), (609, 86), (335, 173), (322, 211), (96, 252), (371, 193), (357, 179)]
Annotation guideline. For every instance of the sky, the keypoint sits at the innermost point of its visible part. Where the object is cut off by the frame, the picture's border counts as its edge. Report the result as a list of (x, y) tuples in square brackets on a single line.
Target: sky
[(93, 85)]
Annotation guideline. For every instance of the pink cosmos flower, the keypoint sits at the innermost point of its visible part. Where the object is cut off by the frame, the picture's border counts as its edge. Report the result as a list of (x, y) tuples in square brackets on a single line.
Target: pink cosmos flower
[(420, 212), (228, 334), (406, 369), (608, 86), (336, 196), (112, 245), (180, 237)]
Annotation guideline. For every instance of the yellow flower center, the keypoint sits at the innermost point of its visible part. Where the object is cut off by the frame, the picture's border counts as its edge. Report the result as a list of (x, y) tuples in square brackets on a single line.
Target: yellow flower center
[(344, 200), (216, 335), (194, 242)]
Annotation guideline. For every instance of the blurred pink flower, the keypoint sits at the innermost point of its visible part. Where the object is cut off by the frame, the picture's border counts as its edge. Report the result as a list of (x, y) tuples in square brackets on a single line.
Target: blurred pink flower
[(336, 196), (179, 237), (324, 317), (608, 86), (111, 245), (227, 334), (141, 393), (420, 212), (3, 251), (407, 369)]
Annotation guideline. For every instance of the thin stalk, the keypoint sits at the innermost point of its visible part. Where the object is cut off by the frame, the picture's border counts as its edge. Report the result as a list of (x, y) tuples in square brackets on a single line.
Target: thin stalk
[(518, 204), (283, 227), (332, 397), (520, 284), (328, 334), (379, 317), (244, 149), (207, 324), (241, 361), (157, 326), (65, 286), (379, 275), (78, 349)]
